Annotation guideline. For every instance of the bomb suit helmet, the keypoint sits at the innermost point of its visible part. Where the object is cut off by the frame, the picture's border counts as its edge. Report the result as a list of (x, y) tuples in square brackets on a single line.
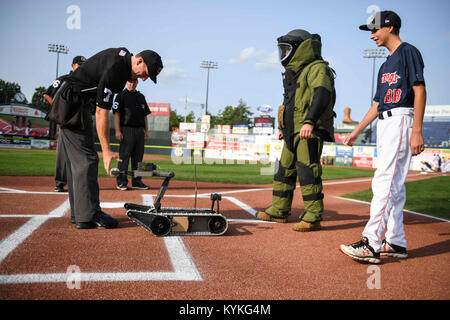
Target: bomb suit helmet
[(288, 44)]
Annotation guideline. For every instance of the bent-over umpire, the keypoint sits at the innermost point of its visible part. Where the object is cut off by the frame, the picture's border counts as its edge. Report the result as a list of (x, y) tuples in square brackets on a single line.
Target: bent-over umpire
[(89, 90)]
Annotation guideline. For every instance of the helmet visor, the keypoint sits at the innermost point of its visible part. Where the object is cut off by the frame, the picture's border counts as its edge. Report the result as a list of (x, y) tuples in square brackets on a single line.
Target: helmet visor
[(284, 50)]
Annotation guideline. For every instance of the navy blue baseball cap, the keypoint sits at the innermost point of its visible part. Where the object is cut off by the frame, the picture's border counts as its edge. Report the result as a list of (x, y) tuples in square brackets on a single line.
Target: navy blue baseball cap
[(383, 19)]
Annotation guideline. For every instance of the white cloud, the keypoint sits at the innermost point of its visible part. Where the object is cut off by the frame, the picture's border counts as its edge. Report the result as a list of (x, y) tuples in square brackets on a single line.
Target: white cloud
[(172, 71), (271, 62), (246, 54)]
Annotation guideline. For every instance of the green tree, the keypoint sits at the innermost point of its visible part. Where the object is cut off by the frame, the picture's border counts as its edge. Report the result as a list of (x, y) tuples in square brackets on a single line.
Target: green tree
[(8, 90), (240, 114), (38, 98), (214, 120)]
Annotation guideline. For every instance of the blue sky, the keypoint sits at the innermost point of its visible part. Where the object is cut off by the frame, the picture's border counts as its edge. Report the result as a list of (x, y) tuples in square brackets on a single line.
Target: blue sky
[(240, 35)]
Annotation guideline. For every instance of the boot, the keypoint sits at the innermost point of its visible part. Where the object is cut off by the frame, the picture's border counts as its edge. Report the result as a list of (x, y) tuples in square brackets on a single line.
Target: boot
[(304, 226), (347, 119), (261, 215)]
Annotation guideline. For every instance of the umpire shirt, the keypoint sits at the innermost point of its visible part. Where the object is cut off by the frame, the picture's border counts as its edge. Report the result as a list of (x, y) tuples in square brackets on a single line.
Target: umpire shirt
[(51, 91), (132, 108), (105, 73)]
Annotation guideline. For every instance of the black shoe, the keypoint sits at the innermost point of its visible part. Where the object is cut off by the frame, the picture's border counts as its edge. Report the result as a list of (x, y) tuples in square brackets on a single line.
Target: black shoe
[(140, 185), (123, 187), (101, 220), (60, 188), (72, 219)]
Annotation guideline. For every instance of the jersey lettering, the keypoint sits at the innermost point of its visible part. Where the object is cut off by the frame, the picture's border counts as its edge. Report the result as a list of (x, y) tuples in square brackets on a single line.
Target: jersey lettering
[(390, 78), (397, 95), (56, 84), (393, 96), (108, 95)]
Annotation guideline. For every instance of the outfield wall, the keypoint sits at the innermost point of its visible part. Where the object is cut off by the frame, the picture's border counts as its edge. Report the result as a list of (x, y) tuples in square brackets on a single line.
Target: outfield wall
[(265, 149)]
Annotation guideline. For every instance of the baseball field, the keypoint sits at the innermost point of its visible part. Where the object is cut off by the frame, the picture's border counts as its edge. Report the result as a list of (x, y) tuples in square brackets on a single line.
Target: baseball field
[(42, 255)]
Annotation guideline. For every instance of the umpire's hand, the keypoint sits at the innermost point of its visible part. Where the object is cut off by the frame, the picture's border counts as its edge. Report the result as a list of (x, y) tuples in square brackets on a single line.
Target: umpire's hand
[(102, 125), (108, 157)]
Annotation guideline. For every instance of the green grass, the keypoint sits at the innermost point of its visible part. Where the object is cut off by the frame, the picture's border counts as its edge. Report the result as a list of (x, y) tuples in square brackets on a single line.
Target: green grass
[(42, 163), (429, 196)]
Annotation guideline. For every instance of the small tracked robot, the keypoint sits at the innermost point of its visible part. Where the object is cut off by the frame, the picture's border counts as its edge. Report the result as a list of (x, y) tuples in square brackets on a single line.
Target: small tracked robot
[(173, 221)]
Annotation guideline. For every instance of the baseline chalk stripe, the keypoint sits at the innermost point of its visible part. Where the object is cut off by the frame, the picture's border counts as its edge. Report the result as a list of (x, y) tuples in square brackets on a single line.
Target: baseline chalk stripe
[(185, 270), (404, 210), (181, 261), (11, 242), (242, 205)]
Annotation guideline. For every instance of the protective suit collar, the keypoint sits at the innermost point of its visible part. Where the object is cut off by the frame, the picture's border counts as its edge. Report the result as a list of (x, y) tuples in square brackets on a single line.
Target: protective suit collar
[(308, 51)]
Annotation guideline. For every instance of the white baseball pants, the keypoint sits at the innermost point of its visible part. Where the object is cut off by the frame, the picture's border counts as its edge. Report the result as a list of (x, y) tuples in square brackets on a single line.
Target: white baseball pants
[(388, 184)]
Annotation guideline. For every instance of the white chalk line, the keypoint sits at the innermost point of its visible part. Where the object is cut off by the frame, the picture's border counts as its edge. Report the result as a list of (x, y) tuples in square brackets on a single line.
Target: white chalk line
[(404, 210), (183, 266)]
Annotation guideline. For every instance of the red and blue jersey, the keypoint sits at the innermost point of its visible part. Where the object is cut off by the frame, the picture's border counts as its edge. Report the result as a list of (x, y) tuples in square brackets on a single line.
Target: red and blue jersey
[(396, 77)]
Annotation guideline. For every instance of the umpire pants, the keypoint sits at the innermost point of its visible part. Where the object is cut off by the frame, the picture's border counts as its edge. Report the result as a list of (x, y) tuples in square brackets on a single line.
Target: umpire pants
[(82, 169), (303, 163), (132, 146), (60, 168)]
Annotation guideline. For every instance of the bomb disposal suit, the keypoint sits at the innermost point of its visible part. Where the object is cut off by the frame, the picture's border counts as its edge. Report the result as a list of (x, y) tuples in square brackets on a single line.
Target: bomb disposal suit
[(309, 97)]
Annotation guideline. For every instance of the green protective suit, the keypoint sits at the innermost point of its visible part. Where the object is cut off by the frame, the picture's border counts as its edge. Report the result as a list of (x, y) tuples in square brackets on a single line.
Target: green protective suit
[(309, 97)]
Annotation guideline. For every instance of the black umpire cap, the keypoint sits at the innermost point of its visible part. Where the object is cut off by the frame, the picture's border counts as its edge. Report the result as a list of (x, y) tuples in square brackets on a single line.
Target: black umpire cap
[(78, 60), (153, 62), (383, 19)]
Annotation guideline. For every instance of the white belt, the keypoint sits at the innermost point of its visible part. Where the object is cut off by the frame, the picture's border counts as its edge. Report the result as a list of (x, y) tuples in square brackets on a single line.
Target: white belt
[(395, 112)]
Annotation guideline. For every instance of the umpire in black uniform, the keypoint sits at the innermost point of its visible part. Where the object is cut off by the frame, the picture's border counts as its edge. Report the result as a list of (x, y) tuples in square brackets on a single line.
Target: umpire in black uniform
[(60, 168), (87, 91), (130, 121)]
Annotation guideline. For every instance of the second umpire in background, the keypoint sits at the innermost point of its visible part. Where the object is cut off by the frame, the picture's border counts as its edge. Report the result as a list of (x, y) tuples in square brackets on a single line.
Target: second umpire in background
[(130, 121)]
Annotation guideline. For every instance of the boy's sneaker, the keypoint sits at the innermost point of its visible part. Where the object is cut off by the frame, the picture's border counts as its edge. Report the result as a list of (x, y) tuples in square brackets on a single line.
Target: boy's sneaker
[(140, 185), (391, 250), (123, 187), (361, 251)]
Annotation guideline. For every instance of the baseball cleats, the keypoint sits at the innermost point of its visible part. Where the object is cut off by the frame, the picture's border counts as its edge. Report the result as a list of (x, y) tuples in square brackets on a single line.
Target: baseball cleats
[(391, 250), (361, 251), (261, 215)]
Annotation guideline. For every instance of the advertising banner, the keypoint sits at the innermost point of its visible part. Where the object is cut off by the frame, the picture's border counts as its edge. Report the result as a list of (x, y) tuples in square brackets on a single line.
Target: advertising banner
[(363, 156), (344, 156), (240, 129), (159, 109), (195, 140)]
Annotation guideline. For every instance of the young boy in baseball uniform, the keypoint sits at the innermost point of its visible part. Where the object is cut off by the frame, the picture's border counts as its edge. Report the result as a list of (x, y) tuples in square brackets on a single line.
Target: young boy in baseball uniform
[(399, 104)]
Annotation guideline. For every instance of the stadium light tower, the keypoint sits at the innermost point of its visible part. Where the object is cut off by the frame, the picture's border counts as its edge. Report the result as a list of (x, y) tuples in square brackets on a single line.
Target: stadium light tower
[(373, 54), (58, 48), (208, 65)]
